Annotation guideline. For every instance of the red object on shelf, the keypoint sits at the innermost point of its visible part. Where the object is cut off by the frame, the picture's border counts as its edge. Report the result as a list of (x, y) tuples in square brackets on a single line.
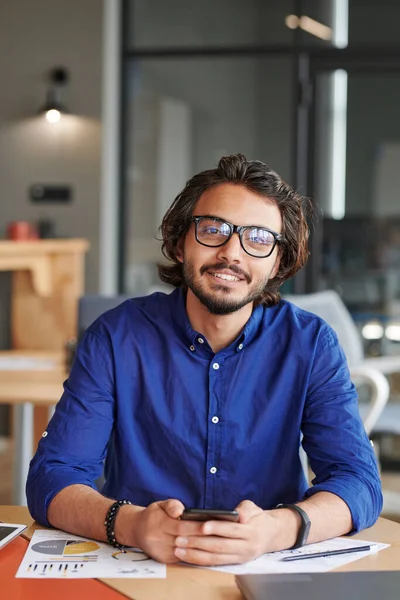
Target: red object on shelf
[(22, 230)]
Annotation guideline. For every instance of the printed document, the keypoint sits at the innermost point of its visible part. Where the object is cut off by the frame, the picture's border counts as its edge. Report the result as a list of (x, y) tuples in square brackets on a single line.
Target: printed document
[(58, 555), (272, 562)]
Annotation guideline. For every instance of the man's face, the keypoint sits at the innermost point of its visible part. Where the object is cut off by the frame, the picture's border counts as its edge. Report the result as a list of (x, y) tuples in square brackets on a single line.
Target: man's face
[(225, 278)]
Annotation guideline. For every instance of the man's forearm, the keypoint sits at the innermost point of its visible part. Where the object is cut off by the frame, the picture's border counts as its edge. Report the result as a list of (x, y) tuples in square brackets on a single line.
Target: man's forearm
[(330, 517), (82, 510)]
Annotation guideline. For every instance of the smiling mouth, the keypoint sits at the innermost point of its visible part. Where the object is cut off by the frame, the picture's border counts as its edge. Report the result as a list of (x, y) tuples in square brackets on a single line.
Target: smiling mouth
[(226, 277)]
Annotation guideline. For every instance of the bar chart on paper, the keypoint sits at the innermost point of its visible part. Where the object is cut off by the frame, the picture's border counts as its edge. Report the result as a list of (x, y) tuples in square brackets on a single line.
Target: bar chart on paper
[(62, 556), (56, 554)]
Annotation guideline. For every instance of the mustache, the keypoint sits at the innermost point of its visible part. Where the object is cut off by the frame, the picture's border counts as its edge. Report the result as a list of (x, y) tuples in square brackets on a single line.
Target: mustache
[(220, 266)]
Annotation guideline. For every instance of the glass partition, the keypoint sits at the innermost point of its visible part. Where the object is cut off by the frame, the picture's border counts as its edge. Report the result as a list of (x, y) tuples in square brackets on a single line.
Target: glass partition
[(194, 24), (183, 115), (360, 253)]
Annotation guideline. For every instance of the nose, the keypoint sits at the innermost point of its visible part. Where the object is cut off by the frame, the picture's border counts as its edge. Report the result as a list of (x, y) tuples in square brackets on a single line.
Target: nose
[(232, 251)]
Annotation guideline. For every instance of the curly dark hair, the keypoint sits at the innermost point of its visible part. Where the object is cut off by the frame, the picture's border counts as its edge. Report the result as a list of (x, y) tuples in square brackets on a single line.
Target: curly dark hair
[(260, 179)]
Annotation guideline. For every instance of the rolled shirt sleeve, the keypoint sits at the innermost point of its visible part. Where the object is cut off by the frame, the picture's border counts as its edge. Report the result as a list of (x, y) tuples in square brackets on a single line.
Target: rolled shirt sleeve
[(339, 451), (73, 448)]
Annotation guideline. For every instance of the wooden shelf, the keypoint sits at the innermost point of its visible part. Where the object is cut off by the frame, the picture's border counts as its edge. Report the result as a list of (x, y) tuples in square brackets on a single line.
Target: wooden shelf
[(47, 282), (69, 245), (36, 257)]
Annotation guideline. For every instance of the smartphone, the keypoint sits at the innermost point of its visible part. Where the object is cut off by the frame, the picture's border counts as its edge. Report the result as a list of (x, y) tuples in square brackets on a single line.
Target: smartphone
[(9, 531), (209, 514)]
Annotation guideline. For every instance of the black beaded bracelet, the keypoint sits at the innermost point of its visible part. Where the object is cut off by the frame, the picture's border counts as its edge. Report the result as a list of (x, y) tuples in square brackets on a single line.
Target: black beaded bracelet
[(110, 522)]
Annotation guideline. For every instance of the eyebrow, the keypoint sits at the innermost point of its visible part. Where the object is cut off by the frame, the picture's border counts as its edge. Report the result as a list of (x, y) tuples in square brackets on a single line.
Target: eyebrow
[(227, 221)]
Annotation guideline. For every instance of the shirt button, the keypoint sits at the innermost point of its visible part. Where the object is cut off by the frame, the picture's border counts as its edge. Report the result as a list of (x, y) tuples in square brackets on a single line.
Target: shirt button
[(213, 470), (240, 347), (216, 366), (200, 340), (44, 434), (215, 419), (192, 348)]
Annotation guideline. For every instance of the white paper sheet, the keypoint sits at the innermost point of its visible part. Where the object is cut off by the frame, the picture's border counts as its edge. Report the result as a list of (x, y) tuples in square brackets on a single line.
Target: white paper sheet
[(272, 562), (59, 555)]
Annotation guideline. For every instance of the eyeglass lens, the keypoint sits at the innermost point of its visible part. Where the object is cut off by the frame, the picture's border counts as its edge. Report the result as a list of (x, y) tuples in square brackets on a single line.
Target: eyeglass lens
[(256, 240)]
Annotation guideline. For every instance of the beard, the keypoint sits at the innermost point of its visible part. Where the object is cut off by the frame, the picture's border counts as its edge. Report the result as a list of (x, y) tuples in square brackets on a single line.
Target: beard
[(222, 304)]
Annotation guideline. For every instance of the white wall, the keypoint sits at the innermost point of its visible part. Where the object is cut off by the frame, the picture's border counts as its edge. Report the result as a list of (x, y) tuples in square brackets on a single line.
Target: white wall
[(36, 36)]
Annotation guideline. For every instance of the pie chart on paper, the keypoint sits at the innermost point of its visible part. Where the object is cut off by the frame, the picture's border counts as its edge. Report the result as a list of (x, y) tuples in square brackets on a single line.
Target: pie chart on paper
[(65, 547)]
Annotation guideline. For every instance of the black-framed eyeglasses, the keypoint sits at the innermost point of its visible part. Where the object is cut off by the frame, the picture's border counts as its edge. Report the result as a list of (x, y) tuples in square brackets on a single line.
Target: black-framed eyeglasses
[(256, 241)]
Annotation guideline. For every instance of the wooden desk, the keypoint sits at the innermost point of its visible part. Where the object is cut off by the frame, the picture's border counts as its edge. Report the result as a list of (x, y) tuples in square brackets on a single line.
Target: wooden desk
[(24, 389), (197, 584)]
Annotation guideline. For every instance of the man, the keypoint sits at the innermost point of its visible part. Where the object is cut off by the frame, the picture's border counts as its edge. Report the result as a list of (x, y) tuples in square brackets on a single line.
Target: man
[(199, 398)]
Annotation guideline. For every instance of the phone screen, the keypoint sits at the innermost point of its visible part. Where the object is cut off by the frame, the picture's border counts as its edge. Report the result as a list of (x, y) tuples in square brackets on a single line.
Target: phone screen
[(208, 514)]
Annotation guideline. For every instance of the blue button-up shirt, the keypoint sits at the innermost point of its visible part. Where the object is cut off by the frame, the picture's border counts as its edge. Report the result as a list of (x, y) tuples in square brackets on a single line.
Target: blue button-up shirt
[(172, 419)]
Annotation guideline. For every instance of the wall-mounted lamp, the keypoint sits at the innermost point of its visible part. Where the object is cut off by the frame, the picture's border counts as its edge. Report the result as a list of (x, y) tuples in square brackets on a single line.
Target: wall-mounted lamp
[(53, 108)]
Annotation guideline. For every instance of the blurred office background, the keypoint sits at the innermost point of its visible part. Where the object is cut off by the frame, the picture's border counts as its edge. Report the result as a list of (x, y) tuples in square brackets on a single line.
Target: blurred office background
[(158, 90)]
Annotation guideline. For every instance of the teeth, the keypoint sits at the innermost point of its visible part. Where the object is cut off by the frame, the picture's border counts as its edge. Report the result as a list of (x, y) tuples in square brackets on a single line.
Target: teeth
[(226, 277)]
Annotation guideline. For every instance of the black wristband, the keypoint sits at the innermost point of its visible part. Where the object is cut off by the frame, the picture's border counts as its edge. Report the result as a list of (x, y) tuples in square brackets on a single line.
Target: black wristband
[(110, 522), (305, 524)]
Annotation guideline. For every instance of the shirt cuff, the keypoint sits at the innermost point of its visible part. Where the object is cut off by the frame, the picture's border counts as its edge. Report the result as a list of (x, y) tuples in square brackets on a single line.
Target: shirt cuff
[(41, 491), (365, 504)]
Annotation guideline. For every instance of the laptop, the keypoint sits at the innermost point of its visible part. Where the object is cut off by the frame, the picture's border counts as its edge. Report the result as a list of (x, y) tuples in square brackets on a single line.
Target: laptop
[(355, 585)]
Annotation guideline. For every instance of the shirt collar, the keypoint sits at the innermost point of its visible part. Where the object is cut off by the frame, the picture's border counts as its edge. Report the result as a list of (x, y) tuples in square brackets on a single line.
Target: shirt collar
[(190, 336)]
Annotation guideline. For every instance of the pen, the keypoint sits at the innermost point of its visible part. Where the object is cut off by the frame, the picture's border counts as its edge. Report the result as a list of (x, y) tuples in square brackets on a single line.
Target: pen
[(327, 553)]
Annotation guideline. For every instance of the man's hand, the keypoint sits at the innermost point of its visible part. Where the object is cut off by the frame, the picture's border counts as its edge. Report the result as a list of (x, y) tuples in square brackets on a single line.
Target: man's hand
[(223, 542), (154, 529)]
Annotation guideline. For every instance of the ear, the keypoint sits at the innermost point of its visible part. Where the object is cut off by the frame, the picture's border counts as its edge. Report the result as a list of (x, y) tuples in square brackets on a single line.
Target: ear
[(275, 268), (179, 251)]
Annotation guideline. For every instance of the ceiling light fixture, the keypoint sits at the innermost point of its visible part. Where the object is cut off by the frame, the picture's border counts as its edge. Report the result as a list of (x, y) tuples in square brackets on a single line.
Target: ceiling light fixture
[(292, 21), (309, 25)]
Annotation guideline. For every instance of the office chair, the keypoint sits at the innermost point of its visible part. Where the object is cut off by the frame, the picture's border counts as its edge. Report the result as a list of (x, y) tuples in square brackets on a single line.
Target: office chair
[(91, 306)]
